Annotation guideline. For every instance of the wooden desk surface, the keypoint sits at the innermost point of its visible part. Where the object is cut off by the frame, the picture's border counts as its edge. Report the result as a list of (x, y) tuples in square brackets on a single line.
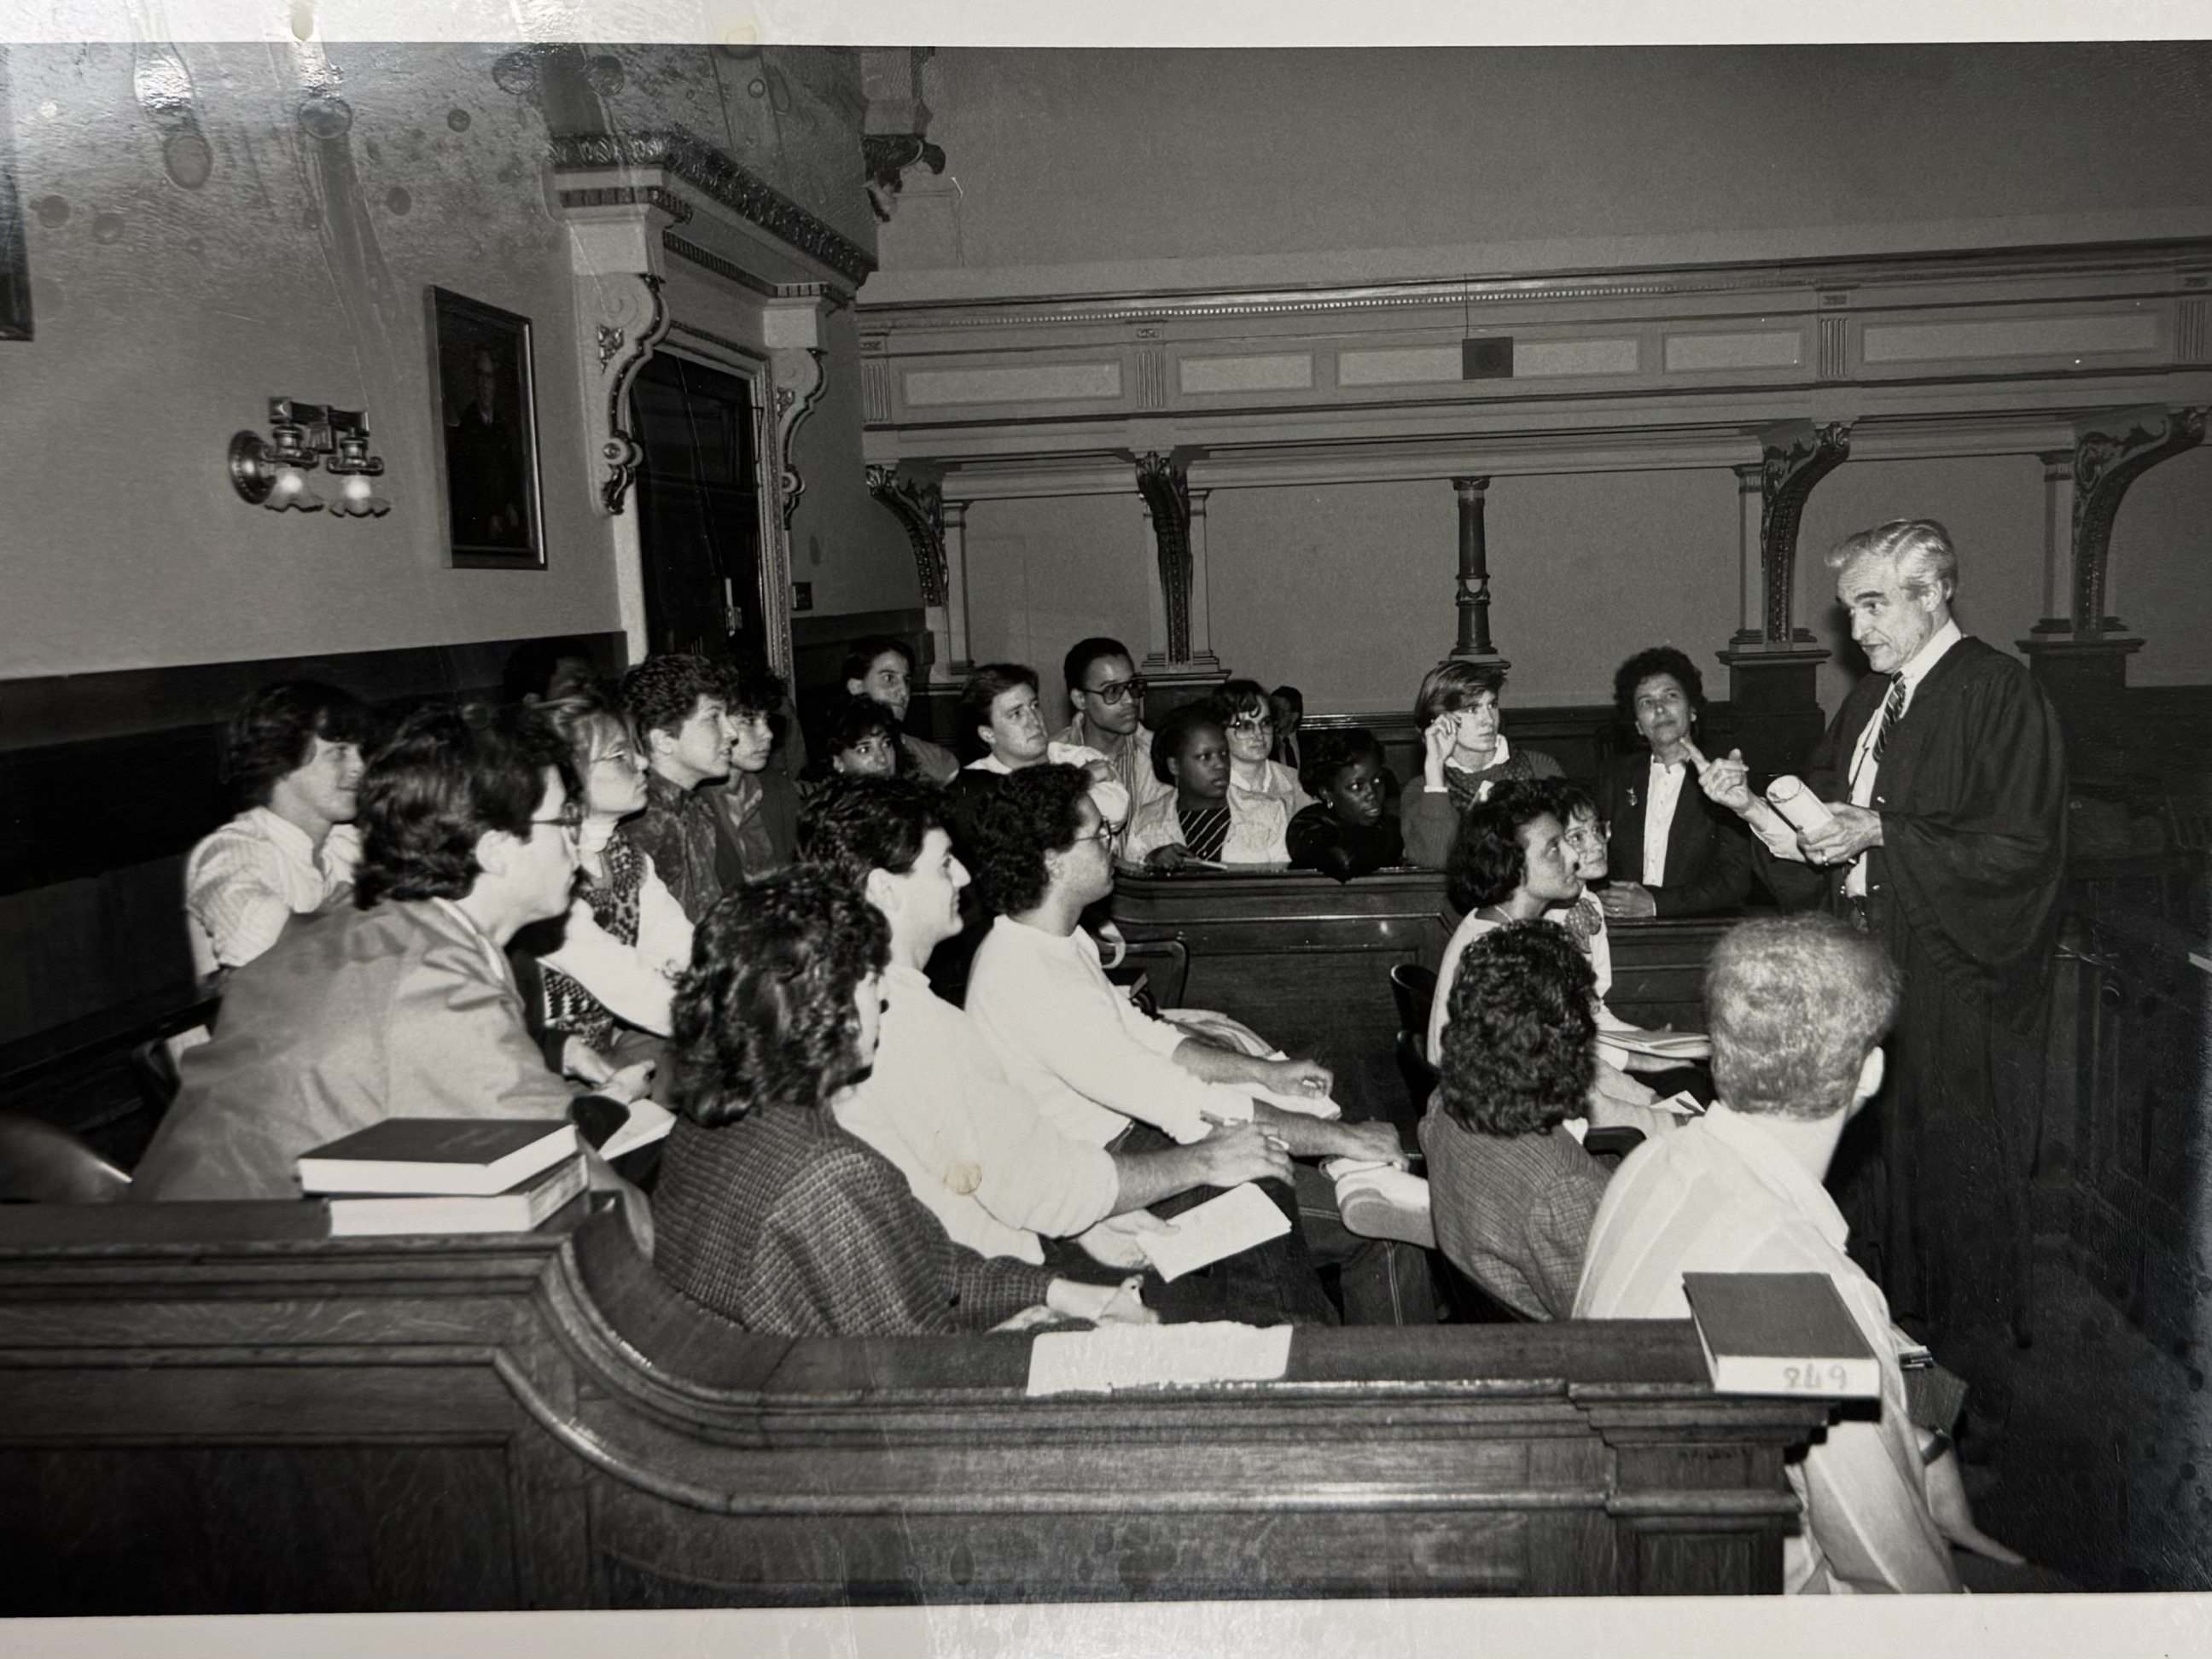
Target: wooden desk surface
[(278, 1423)]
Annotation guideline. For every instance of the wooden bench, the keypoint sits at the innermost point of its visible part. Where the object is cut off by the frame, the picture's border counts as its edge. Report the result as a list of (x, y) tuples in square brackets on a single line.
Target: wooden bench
[(205, 1408)]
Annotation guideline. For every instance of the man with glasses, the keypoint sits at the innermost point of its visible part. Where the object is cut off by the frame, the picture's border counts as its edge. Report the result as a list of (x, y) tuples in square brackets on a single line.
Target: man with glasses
[(406, 1006), (1108, 699)]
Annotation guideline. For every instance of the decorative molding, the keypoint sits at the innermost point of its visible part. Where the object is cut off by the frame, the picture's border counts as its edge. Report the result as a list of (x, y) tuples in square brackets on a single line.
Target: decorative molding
[(706, 260), (1165, 482), (1087, 382), (916, 499), (2192, 331), (1704, 351), (721, 179), (887, 158), (875, 389), (1151, 366), (799, 382), (604, 196), (1472, 591), (1833, 361), (2110, 453), (629, 318), (2124, 333), (736, 347), (1792, 468)]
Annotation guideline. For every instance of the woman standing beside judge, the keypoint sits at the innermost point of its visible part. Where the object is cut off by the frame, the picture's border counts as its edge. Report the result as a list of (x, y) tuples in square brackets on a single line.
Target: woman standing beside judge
[(1463, 756)]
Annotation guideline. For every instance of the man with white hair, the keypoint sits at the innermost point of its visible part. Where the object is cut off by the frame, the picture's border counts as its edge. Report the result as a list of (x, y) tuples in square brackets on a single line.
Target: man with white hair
[(1946, 776)]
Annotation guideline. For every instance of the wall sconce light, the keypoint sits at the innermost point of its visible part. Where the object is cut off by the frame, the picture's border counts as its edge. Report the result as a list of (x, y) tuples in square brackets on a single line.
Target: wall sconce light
[(272, 471)]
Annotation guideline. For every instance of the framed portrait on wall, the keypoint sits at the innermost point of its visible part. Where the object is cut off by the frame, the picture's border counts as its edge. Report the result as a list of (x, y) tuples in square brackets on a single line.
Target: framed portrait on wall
[(487, 409)]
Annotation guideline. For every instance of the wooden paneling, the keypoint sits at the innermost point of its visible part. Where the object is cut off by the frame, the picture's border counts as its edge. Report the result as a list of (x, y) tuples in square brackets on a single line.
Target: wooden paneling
[(213, 1415)]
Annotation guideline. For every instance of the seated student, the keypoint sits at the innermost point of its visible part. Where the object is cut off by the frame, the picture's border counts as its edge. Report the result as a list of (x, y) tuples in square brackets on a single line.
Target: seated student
[(767, 1212), (1463, 757), (1512, 1194), (1203, 821), (757, 805), (1108, 698), (609, 966), (1512, 862), (1345, 833), (880, 668), (1288, 705), (1109, 1075), (405, 1006), (974, 1148), (1798, 1006), (1249, 718), (861, 740), (999, 705), (676, 707), (292, 755), (1673, 853)]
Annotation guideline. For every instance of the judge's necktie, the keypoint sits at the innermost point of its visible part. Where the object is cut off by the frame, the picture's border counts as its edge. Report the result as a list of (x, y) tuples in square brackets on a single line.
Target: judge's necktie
[(1893, 710)]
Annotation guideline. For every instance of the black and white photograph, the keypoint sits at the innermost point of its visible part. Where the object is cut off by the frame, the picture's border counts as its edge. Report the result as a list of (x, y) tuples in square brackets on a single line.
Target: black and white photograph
[(1242, 845)]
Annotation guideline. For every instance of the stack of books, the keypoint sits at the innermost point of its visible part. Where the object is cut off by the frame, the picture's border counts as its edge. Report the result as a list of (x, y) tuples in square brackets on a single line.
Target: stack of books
[(446, 1175)]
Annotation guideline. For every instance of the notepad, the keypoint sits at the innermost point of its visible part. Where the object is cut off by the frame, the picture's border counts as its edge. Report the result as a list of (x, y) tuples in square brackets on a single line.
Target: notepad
[(1684, 1046), (1118, 1357), (1241, 1218)]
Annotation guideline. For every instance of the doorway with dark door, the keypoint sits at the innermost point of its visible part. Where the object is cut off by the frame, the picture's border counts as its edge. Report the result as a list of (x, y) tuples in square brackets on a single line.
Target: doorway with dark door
[(699, 505)]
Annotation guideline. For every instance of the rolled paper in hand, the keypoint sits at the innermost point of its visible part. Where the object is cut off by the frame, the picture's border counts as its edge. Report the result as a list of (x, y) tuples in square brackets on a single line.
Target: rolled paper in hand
[(1803, 811)]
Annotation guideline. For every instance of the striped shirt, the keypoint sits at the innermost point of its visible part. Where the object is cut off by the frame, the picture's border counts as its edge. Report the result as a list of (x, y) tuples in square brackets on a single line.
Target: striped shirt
[(244, 883)]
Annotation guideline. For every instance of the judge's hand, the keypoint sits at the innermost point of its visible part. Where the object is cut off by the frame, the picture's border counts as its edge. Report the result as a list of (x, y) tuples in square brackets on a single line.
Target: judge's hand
[(1300, 1077), (1627, 898), (1170, 857), (1238, 1152), (1726, 782), (1852, 830), (1437, 739)]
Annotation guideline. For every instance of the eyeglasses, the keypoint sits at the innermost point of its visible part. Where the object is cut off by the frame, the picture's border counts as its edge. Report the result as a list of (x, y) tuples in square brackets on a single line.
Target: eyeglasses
[(1103, 832), (1252, 723), (1118, 691), (571, 816)]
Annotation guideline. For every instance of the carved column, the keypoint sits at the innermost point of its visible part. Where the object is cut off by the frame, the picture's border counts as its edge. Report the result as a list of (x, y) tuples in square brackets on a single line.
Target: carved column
[(1182, 644), (916, 496), (1751, 559), (1472, 594), (2077, 651), (1773, 664)]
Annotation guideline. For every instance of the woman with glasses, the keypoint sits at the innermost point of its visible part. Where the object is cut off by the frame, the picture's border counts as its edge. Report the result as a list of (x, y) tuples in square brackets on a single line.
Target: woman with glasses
[(1464, 756), (1202, 821), (1248, 718), (607, 968)]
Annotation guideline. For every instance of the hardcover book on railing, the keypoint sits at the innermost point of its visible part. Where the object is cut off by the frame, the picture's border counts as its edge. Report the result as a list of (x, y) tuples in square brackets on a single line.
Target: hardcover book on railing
[(463, 1155), (517, 1211), (1786, 1333)]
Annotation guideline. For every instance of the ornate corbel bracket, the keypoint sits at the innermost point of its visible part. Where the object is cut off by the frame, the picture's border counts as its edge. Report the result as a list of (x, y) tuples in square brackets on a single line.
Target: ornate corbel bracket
[(888, 157), (798, 382), (1165, 482), (917, 501), (1795, 459), (629, 319), (2110, 453)]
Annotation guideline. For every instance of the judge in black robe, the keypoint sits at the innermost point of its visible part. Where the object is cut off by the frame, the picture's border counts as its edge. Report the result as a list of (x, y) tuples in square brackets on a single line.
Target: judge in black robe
[(1969, 789)]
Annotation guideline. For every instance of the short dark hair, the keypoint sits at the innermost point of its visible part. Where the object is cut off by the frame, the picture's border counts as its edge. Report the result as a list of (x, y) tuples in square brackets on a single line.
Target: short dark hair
[(1517, 1056), (750, 688), (1175, 731), (985, 686), (854, 720), (856, 824), (764, 1016), (1234, 698), (1451, 686), (530, 666), (448, 776), (1080, 655), (1333, 750), (860, 655), (1011, 827), (661, 692), (1568, 798), (1656, 660), (1487, 861), (1794, 1004), (272, 734), (1288, 696)]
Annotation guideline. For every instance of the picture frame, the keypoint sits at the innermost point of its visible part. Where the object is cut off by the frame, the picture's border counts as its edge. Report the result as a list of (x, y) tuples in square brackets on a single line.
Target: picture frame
[(484, 397), (14, 258)]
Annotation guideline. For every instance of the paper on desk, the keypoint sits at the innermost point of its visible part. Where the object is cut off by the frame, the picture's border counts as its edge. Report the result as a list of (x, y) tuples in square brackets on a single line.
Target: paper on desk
[(1681, 1102), (647, 1123), (1683, 1046), (1241, 1218), (1156, 1356)]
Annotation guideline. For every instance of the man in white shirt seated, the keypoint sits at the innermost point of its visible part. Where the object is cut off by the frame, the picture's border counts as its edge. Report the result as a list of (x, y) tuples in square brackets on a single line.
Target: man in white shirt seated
[(406, 1006), (1798, 1006), (1106, 1073), (291, 754), (976, 1149), (999, 704)]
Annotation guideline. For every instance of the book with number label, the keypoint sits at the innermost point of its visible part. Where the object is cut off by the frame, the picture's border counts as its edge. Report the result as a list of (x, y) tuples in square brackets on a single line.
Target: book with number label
[(1787, 1334), (471, 1156)]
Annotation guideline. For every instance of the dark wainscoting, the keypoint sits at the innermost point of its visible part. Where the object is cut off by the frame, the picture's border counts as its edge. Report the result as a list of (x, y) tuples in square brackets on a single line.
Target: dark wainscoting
[(107, 780)]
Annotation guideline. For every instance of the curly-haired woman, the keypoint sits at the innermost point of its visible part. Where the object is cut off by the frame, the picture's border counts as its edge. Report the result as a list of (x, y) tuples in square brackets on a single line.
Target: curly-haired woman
[(1513, 1194), (766, 1211)]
